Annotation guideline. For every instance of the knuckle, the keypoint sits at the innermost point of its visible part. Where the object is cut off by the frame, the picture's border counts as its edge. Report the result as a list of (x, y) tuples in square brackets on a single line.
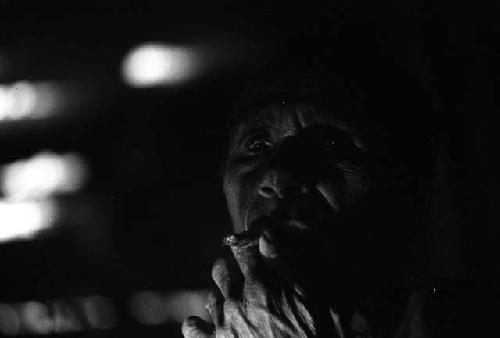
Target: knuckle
[(255, 291), (254, 283), (214, 300), (231, 308)]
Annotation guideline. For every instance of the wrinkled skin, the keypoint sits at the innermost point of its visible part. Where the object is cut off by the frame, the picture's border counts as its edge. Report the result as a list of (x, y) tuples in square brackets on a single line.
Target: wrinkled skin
[(295, 181), (254, 302)]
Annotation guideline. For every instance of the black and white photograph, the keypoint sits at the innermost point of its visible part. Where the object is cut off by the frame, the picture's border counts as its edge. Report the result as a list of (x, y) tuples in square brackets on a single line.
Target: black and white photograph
[(224, 169)]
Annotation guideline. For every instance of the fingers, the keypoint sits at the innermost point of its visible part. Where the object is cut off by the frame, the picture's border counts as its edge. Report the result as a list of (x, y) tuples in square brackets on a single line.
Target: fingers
[(292, 253), (265, 245), (215, 307), (245, 250), (271, 248), (227, 277), (195, 327)]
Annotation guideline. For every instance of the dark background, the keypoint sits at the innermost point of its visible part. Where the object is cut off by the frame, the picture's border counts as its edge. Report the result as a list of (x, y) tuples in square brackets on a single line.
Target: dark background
[(152, 215)]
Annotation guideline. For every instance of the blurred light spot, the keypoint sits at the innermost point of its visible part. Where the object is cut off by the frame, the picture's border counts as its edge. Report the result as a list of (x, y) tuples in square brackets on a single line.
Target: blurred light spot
[(9, 321), (100, 312), (65, 317), (148, 308), (36, 318), (24, 220), (182, 304), (26, 100), (43, 175), (157, 64)]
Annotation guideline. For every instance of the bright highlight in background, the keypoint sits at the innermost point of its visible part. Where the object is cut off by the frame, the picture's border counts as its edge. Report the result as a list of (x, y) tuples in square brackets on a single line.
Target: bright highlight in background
[(152, 308), (25, 100), (58, 316), (44, 174), (148, 308), (10, 322), (155, 64), (100, 312), (24, 220)]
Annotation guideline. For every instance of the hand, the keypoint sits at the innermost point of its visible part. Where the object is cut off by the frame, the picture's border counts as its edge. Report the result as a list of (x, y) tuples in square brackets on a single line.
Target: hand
[(255, 300)]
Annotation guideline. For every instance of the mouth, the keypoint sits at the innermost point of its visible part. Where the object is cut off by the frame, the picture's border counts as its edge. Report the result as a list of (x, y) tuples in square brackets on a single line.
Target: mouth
[(302, 215)]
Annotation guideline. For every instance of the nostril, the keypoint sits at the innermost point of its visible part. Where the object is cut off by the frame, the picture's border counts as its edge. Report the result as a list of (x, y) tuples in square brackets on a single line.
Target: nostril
[(267, 191)]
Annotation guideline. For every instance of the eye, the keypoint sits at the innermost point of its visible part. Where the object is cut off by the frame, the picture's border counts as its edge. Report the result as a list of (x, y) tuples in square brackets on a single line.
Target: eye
[(330, 142), (258, 145)]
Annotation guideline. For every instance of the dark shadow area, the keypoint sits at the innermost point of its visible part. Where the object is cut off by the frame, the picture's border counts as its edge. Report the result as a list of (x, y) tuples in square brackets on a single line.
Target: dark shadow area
[(143, 230)]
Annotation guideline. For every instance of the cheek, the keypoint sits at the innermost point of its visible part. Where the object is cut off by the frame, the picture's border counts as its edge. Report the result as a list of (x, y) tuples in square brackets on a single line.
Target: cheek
[(238, 191), (344, 190), (232, 193), (240, 188)]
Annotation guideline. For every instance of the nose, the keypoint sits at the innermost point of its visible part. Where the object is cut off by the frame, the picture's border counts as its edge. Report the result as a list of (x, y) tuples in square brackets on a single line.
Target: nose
[(286, 174), (277, 183)]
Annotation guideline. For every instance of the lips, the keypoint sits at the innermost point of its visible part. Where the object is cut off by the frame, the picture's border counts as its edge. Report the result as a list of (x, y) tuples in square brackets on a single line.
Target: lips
[(287, 237), (300, 215), (304, 213)]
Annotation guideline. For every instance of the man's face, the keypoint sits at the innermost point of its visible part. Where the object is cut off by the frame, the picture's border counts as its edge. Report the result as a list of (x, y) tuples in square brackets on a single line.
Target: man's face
[(297, 164)]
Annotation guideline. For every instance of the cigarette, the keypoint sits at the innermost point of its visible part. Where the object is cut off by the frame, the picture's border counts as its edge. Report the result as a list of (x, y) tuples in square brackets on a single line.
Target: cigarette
[(246, 237)]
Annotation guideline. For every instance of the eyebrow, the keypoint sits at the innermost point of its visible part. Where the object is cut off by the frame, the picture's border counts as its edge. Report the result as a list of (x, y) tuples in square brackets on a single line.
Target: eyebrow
[(263, 118), (244, 130), (260, 119)]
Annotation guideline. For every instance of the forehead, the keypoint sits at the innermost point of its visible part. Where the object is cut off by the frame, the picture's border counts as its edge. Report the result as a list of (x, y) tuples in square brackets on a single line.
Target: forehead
[(283, 116)]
